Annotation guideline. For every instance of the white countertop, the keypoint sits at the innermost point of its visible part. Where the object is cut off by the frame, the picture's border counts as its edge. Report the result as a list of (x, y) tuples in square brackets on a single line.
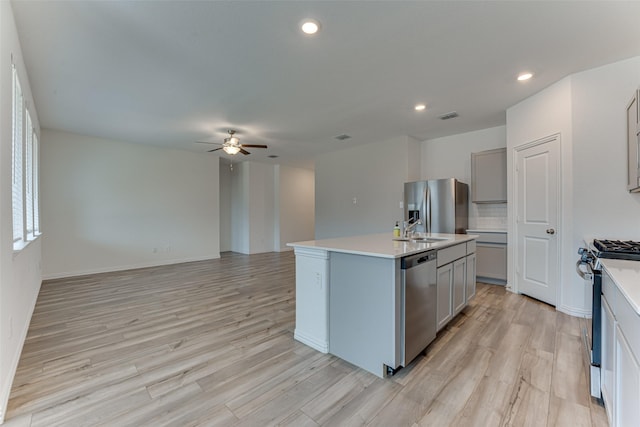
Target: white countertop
[(487, 230), (626, 275), (382, 245)]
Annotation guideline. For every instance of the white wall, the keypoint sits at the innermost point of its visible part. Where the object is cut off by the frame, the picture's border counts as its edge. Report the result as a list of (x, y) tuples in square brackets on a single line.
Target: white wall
[(20, 274), (450, 156), (548, 113), (271, 205), (600, 96), (373, 175), (261, 207), (240, 208), (110, 205), (225, 206), (602, 205), (296, 207), (588, 110)]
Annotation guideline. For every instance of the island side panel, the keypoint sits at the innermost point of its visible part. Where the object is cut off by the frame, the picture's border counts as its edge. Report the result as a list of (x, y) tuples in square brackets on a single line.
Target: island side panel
[(312, 298), (365, 311)]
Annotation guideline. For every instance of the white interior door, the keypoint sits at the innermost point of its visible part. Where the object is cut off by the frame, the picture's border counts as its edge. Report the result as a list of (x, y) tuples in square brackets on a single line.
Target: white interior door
[(537, 172)]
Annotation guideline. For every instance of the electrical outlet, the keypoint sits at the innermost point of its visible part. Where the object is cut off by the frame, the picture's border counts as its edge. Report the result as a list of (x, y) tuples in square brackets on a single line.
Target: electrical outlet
[(401, 205), (355, 200)]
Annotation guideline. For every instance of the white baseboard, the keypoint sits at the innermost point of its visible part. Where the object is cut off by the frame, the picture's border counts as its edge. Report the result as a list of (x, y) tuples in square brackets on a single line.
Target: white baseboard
[(573, 311), (321, 346)]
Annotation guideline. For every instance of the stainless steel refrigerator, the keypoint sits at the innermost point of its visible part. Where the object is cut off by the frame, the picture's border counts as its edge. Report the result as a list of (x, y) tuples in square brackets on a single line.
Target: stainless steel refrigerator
[(441, 204)]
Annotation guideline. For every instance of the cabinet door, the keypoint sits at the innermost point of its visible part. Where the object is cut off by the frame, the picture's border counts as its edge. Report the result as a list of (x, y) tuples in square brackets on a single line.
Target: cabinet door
[(489, 176), (470, 291), (633, 162), (607, 359), (627, 384), (492, 260), (444, 284), (459, 284)]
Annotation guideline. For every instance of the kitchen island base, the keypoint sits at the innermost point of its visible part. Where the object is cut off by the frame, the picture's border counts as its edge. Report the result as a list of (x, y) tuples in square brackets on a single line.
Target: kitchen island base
[(350, 295)]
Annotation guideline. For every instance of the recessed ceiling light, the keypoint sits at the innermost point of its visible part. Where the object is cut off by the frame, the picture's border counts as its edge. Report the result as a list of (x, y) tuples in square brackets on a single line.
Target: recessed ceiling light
[(420, 107), (310, 26), (524, 76)]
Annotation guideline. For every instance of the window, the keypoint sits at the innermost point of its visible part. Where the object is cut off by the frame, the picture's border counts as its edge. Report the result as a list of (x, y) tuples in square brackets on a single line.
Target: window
[(24, 187), (17, 161)]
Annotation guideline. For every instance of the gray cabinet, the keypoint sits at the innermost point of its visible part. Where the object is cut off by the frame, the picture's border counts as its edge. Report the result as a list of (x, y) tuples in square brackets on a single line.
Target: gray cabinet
[(608, 346), (491, 256), (633, 142), (627, 382), (470, 290), (456, 280), (489, 176), (459, 285), (444, 282)]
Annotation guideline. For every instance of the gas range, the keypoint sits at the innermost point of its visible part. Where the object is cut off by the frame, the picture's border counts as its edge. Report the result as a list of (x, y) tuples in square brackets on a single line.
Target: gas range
[(611, 249), (588, 268)]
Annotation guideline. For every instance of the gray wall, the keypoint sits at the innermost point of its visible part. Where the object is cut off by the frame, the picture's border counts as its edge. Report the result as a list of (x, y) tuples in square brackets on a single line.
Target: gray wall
[(373, 175), (111, 205)]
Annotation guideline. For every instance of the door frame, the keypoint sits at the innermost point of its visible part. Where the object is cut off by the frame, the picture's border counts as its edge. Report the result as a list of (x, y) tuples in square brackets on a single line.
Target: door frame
[(559, 217)]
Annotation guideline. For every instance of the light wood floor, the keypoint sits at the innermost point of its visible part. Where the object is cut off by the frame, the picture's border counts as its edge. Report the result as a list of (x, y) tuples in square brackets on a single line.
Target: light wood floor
[(211, 343)]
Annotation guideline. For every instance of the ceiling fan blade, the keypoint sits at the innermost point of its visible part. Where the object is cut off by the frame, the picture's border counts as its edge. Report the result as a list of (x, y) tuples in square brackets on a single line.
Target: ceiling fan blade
[(245, 152), (207, 142), (255, 145), (215, 149)]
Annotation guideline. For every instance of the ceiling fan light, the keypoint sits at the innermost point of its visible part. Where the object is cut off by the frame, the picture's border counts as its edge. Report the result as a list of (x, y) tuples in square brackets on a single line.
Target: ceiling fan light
[(232, 140), (231, 149)]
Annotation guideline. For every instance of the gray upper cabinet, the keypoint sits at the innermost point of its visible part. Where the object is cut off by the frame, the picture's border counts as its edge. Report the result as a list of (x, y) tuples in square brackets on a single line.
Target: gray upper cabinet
[(489, 176), (633, 141)]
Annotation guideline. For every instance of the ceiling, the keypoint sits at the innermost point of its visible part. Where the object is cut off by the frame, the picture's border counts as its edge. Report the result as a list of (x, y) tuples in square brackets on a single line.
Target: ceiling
[(169, 73)]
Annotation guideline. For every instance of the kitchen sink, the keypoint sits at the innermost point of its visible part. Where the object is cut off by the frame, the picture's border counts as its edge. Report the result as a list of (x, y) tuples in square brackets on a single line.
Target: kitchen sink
[(420, 239), (428, 239)]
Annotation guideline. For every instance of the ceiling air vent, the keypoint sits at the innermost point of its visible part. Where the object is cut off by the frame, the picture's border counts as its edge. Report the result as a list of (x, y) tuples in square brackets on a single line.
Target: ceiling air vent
[(342, 137), (447, 116), (272, 156)]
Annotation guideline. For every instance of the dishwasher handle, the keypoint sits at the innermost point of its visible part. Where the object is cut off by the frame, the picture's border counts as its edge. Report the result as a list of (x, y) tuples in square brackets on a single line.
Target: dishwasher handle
[(416, 260)]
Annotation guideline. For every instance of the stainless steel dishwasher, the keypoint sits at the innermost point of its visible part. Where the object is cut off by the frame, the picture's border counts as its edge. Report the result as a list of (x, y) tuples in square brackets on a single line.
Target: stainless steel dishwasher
[(419, 298)]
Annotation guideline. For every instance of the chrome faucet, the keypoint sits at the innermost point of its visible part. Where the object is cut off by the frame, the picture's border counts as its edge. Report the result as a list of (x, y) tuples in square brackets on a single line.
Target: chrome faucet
[(410, 226)]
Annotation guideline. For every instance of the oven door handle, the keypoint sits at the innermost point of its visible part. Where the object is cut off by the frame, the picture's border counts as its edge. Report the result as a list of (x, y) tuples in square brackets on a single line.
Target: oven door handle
[(585, 275)]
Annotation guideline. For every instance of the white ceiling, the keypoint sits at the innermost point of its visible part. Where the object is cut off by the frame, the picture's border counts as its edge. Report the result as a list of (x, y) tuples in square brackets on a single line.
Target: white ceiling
[(170, 73)]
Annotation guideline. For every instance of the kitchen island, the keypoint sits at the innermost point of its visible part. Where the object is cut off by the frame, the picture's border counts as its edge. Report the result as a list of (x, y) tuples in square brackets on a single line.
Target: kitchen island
[(350, 294)]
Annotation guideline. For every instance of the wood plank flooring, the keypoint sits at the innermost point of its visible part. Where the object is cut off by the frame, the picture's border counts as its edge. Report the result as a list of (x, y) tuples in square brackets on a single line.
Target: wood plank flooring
[(211, 343)]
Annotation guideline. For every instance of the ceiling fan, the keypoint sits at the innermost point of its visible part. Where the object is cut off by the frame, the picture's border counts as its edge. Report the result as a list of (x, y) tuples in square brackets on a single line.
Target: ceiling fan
[(231, 145)]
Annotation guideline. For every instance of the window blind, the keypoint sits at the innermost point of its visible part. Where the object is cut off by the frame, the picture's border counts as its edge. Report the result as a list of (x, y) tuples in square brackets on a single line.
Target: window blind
[(28, 178), (36, 184), (17, 161)]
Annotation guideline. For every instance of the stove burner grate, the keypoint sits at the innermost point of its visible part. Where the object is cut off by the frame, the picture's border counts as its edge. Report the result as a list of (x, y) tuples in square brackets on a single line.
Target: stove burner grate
[(617, 246)]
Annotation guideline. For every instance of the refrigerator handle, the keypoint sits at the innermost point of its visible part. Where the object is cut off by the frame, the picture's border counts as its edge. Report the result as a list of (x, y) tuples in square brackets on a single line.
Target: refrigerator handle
[(427, 220)]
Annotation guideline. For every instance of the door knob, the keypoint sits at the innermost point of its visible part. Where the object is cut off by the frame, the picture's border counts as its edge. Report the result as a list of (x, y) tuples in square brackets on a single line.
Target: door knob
[(551, 231)]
